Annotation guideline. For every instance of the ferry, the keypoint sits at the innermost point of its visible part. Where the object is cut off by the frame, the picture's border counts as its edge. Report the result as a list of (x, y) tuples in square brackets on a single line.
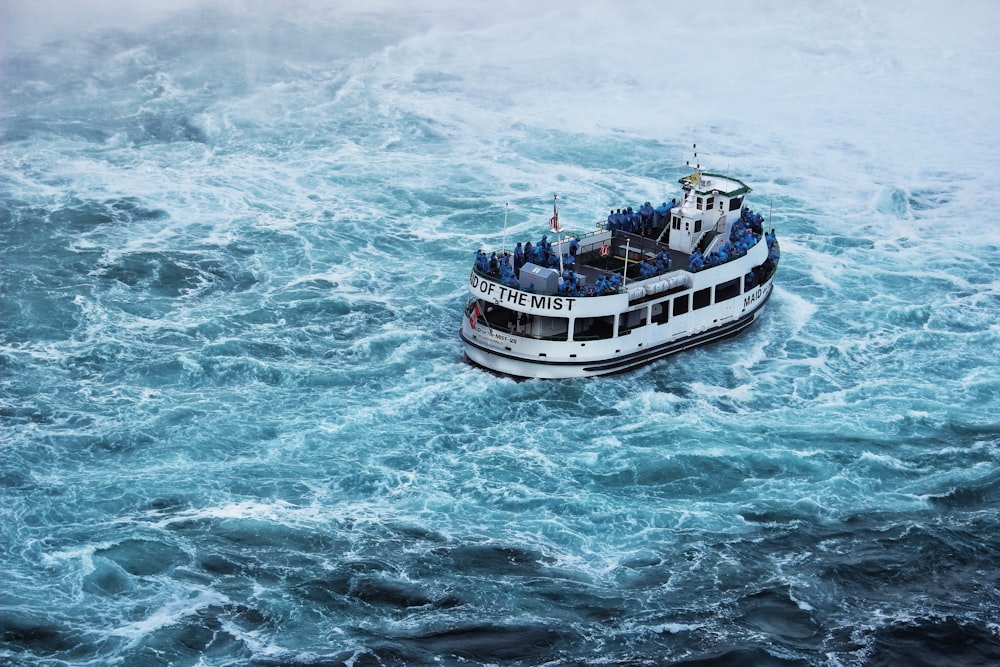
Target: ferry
[(644, 284)]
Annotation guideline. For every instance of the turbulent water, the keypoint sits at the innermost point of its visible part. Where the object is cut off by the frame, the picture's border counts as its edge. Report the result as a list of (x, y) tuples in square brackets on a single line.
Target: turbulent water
[(237, 427)]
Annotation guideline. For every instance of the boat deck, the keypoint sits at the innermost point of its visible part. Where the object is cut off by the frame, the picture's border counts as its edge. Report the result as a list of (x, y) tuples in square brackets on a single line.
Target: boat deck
[(592, 265)]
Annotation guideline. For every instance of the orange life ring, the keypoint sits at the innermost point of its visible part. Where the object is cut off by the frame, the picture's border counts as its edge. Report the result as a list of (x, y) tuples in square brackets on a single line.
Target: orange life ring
[(605, 250)]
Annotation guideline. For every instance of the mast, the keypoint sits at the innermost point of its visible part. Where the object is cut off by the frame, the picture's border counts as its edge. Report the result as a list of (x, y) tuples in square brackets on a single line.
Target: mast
[(554, 224), (694, 178), (628, 242)]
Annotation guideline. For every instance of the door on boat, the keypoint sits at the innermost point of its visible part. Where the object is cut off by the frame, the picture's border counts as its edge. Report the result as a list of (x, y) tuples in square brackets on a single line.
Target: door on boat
[(725, 310), (726, 296), (679, 307)]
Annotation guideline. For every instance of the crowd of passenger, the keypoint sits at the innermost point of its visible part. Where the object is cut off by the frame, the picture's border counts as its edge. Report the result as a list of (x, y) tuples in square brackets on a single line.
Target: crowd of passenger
[(643, 221), (508, 266), (743, 235), (571, 284)]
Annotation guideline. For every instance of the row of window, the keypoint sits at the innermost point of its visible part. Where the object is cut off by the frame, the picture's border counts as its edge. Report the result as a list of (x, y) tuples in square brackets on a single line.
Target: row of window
[(706, 203), (677, 224), (734, 205), (598, 328), (660, 312)]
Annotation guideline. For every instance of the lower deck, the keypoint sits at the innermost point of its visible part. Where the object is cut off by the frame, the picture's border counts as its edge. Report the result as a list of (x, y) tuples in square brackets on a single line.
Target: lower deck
[(510, 355)]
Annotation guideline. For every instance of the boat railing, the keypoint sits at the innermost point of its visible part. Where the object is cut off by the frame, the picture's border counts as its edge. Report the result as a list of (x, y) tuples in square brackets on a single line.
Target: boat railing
[(610, 253)]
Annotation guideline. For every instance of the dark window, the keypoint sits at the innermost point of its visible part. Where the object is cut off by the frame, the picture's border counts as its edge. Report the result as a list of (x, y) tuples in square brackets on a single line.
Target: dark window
[(735, 203), (594, 328), (548, 328), (498, 317), (702, 298), (680, 305), (631, 320), (701, 202), (660, 313), (697, 226), (709, 203), (727, 290)]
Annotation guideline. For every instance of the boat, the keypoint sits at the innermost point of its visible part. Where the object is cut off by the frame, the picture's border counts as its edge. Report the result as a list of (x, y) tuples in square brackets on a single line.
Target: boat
[(644, 284)]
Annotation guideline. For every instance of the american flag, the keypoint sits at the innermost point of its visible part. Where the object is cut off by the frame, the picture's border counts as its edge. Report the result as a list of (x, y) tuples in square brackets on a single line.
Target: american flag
[(474, 315), (554, 220)]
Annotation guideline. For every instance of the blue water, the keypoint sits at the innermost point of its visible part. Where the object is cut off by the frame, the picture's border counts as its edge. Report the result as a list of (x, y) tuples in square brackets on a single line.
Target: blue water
[(237, 428)]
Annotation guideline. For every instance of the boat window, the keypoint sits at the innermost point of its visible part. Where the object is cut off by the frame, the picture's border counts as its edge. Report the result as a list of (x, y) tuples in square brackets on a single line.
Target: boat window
[(681, 304), (701, 202), (633, 319), (727, 290), (697, 226), (660, 313), (497, 317), (735, 203), (677, 222), (549, 328), (702, 298), (594, 328), (709, 203)]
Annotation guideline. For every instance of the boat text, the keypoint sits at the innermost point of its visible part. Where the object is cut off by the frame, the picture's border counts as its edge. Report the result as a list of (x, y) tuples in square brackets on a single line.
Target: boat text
[(500, 339), (505, 296), (752, 297)]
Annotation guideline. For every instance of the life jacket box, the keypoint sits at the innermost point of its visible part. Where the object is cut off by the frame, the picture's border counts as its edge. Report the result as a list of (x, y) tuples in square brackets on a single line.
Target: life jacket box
[(539, 279)]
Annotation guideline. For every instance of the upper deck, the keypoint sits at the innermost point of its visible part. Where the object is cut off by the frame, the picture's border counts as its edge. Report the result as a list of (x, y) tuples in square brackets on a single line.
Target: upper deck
[(709, 227), (594, 266)]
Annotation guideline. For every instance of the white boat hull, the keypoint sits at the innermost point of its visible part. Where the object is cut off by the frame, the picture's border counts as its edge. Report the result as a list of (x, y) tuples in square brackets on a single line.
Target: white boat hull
[(500, 359)]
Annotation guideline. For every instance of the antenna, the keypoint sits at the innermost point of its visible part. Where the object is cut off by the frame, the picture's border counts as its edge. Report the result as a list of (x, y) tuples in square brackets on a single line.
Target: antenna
[(695, 178), (697, 164), (554, 223)]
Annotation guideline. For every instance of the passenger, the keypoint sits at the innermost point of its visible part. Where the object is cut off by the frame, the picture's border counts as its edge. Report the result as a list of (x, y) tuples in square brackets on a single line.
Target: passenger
[(631, 221), (574, 246), (661, 215), (697, 262), (508, 278), (614, 284), (494, 264), (567, 283), (619, 222), (662, 261), (646, 218)]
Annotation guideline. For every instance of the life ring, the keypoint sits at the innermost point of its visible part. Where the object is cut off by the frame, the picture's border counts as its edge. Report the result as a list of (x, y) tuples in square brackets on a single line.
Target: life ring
[(605, 250)]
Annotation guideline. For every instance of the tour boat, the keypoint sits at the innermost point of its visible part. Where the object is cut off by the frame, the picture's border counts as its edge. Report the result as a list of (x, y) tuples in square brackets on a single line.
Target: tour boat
[(643, 285)]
